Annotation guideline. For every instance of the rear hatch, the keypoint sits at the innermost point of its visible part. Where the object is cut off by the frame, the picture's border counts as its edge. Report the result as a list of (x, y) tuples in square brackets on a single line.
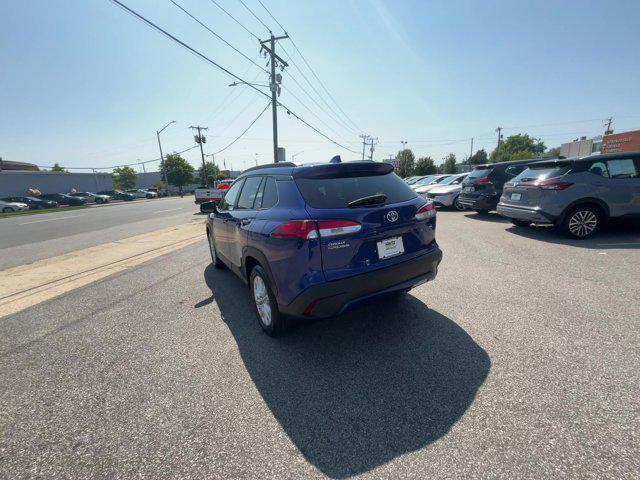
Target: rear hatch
[(534, 183), (366, 217), (479, 181)]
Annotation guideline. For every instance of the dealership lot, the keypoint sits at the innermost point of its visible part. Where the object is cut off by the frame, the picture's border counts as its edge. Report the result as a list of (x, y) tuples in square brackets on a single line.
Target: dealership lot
[(520, 360)]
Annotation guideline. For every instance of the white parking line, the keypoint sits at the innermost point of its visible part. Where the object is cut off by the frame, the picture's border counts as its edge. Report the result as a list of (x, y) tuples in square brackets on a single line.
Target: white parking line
[(50, 219), (168, 210), (618, 244)]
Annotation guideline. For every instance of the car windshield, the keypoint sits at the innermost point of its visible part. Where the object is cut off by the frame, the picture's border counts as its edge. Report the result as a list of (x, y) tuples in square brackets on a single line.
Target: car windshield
[(542, 172), (425, 180), (449, 180)]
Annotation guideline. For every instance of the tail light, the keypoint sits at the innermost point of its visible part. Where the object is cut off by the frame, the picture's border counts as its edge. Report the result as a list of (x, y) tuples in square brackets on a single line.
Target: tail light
[(426, 211), (482, 180), (307, 230), (300, 229), (553, 184), (333, 228)]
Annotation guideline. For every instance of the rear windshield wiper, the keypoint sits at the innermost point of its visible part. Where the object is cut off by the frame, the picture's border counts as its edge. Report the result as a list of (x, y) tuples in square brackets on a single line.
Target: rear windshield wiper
[(370, 200)]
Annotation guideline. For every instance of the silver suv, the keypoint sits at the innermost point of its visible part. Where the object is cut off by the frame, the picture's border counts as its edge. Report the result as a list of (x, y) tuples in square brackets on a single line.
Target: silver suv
[(576, 195)]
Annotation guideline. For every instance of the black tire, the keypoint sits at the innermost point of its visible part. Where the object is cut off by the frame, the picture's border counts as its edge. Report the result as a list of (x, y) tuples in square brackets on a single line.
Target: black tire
[(264, 302), (581, 222), (482, 211), (7, 210), (520, 223), (99, 200), (215, 259), (458, 206)]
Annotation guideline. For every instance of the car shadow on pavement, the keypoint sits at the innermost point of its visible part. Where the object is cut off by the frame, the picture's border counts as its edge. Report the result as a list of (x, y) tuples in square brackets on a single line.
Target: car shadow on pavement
[(619, 235), (357, 391), (486, 217)]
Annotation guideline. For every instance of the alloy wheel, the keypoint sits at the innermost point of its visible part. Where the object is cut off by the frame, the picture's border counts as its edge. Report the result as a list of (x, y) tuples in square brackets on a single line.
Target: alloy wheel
[(583, 223), (458, 205), (261, 298)]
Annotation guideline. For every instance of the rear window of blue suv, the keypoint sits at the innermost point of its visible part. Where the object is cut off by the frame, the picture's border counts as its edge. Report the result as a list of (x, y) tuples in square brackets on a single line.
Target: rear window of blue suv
[(340, 192)]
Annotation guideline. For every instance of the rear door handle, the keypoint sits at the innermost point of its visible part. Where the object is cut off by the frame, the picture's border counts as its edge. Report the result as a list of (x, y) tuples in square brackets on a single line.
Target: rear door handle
[(245, 221)]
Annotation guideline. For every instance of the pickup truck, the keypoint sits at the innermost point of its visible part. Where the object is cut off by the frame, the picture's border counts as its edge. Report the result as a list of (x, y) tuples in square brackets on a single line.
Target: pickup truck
[(212, 194)]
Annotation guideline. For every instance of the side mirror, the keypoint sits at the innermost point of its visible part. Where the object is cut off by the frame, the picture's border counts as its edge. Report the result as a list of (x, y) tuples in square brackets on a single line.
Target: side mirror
[(456, 182), (208, 207)]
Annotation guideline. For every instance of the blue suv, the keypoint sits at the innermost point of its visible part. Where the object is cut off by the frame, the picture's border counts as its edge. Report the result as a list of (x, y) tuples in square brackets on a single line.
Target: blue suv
[(314, 240)]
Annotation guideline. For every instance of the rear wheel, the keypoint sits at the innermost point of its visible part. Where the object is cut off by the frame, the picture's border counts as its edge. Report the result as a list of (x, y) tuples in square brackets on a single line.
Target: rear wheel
[(214, 252), (457, 205), (7, 210), (269, 317), (581, 222), (520, 223)]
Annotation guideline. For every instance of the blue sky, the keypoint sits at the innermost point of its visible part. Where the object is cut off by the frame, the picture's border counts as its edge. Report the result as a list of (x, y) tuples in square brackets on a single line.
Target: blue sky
[(86, 85)]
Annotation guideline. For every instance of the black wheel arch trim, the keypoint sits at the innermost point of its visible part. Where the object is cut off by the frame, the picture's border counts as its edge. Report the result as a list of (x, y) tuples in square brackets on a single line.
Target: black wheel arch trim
[(264, 263), (586, 200)]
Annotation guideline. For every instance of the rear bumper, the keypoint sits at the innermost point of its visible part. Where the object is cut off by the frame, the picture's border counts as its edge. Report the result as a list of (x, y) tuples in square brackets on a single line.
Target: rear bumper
[(530, 214), (444, 200), (333, 298), (479, 202)]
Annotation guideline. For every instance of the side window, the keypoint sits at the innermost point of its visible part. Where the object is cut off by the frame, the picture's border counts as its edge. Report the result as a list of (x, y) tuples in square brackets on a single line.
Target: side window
[(229, 199), (258, 200), (514, 170), (599, 168), (270, 197), (622, 168), (249, 193)]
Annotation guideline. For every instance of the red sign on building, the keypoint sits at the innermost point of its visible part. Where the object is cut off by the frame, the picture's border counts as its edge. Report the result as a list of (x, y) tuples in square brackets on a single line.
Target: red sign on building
[(621, 142)]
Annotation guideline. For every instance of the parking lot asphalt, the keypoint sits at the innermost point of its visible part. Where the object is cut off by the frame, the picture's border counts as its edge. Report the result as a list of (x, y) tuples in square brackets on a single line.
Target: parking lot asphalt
[(27, 238), (519, 361)]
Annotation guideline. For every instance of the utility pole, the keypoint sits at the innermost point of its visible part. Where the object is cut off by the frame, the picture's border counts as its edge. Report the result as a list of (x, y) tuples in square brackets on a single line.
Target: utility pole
[(373, 141), (365, 139), (607, 123), (274, 84), (499, 130), (200, 139), (164, 168), (404, 144)]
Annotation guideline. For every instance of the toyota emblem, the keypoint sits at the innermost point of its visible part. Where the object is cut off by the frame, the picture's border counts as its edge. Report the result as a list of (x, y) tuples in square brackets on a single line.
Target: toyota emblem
[(392, 216)]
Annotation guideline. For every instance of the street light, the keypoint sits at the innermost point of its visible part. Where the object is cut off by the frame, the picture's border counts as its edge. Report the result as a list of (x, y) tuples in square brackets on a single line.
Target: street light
[(164, 170), (404, 144), (293, 157)]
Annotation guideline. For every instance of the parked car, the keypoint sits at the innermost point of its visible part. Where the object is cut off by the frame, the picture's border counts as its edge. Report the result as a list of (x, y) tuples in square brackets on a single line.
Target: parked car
[(63, 199), (91, 197), (411, 180), (315, 240), (427, 181), (576, 195), (447, 193), (482, 188), (34, 203), (117, 195), (7, 207), (441, 180), (142, 193)]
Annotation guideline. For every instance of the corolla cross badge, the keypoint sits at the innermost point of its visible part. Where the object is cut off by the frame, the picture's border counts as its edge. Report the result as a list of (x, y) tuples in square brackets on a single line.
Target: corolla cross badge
[(392, 216)]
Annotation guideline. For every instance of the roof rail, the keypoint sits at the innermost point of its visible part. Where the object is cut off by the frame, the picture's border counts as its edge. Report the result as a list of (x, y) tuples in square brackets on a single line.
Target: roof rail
[(269, 165)]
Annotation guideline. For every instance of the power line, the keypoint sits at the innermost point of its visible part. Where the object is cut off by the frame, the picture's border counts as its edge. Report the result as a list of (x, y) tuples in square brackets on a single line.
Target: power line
[(255, 16), (228, 72), (235, 20), (217, 36), (245, 130), (358, 129)]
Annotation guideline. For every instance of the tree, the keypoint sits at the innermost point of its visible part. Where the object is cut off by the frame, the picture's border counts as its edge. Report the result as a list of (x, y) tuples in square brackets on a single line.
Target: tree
[(478, 158), (425, 166), (449, 163), (407, 161), (124, 178), (211, 173), (552, 153), (57, 168), (179, 171), (518, 147)]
